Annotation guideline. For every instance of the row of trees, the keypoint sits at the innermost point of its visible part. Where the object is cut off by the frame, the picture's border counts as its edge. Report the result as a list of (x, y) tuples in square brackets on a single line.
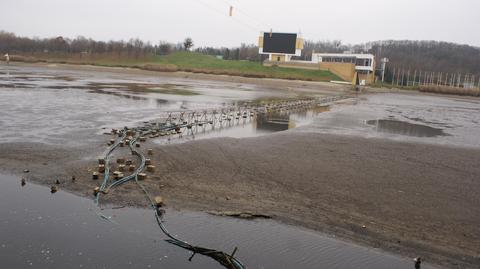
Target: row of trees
[(409, 55), (134, 47), (436, 57)]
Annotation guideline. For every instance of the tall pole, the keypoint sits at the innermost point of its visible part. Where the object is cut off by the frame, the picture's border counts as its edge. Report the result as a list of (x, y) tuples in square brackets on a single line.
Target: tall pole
[(414, 77), (393, 77)]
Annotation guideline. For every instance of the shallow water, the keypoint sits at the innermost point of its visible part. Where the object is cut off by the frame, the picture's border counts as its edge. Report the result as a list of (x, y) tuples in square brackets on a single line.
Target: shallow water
[(405, 128), (43, 230), (64, 106), (451, 121)]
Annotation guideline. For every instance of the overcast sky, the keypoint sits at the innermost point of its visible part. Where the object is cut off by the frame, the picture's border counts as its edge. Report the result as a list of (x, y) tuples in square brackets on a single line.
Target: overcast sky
[(208, 23)]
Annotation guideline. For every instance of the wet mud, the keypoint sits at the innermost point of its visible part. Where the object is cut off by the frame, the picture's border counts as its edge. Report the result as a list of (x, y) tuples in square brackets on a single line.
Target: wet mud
[(334, 174)]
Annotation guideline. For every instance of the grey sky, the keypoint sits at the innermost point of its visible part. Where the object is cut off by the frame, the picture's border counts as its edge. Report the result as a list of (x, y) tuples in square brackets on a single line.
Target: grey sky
[(207, 21)]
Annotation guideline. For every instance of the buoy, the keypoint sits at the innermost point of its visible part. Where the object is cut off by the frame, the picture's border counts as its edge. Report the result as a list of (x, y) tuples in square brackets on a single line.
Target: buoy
[(121, 160), (150, 151), (57, 182), (117, 175), (95, 175), (53, 189), (158, 201), (142, 176), (23, 181), (151, 168), (101, 168)]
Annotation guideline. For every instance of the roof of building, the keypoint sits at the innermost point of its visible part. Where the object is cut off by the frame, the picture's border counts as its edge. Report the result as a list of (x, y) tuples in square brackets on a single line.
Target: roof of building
[(345, 55)]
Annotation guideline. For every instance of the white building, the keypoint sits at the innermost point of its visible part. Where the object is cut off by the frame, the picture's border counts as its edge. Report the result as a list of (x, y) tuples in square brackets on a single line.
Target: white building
[(364, 63)]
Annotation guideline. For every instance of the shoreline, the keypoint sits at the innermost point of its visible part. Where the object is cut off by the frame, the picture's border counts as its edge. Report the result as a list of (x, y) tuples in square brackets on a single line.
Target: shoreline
[(234, 178)]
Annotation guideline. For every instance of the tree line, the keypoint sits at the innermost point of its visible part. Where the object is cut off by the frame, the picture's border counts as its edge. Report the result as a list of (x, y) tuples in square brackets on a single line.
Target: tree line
[(134, 47), (428, 56)]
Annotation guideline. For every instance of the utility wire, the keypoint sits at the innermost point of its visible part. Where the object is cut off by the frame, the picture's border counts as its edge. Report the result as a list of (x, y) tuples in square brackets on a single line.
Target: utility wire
[(260, 23), (224, 14)]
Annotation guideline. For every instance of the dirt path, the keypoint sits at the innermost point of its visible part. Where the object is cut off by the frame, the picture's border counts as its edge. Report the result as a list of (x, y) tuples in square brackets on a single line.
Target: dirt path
[(411, 199)]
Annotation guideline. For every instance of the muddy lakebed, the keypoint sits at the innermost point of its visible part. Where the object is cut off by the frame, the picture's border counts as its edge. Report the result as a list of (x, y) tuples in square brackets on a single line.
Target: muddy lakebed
[(56, 107)]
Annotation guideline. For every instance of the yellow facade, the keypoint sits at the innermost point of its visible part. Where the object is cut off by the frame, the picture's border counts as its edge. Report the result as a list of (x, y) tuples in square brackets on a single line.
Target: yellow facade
[(299, 45), (345, 71), (260, 42)]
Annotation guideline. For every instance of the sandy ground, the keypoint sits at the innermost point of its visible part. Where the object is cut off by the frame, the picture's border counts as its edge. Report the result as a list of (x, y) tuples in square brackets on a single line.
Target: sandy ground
[(413, 199)]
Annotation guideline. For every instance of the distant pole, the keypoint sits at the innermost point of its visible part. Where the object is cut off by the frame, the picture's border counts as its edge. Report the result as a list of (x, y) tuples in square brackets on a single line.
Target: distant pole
[(408, 77), (393, 77), (414, 77), (398, 77), (403, 75), (446, 79)]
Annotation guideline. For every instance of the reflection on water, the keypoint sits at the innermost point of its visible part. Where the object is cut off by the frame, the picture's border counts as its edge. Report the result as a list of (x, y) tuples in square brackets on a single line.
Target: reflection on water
[(405, 128), (249, 126), (43, 230)]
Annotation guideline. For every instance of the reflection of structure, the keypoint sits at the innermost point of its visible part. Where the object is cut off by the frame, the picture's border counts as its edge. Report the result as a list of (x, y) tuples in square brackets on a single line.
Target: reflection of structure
[(273, 122), (280, 47), (348, 66)]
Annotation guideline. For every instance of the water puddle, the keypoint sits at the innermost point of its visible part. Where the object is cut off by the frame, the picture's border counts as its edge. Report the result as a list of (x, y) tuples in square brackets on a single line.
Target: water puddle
[(43, 230), (405, 128)]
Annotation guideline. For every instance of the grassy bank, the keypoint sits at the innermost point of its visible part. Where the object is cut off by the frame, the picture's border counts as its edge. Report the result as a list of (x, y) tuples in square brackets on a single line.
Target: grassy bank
[(188, 62)]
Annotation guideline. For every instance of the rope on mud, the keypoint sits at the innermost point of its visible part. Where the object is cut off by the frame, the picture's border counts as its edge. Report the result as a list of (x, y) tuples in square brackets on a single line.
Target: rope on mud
[(223, 258), (227, 260)]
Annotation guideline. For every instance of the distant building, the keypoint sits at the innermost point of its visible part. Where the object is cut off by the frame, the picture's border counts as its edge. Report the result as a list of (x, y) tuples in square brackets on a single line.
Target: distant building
[(280, 47), (348, 65)]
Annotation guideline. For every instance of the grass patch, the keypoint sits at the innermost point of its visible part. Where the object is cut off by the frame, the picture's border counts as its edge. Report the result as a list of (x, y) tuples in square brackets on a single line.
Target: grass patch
[(190, 62), (200, 63)]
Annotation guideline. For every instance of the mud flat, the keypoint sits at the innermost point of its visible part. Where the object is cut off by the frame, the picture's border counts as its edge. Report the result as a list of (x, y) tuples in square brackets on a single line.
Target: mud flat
[(400, 195), (411, 199)]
